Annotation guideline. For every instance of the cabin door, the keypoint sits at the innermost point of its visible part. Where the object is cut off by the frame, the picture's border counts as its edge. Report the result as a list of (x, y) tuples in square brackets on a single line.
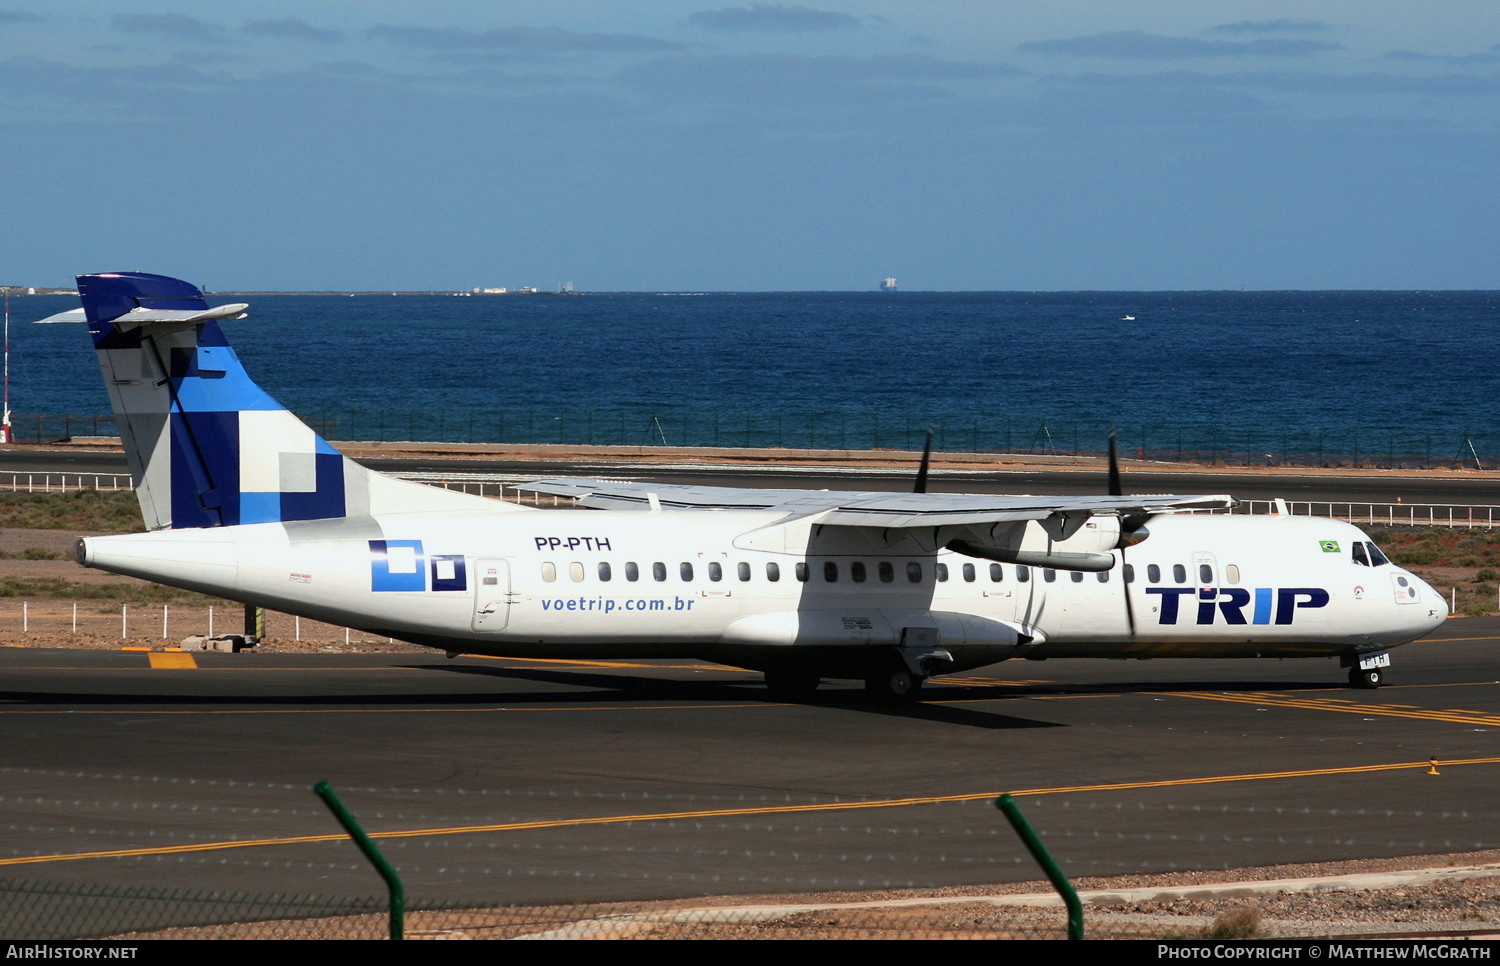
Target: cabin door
[(492, 593)]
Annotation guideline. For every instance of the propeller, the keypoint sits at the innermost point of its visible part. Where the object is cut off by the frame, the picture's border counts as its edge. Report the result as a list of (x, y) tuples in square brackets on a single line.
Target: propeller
[(921, 484), (1114, 466), (1117, 489)]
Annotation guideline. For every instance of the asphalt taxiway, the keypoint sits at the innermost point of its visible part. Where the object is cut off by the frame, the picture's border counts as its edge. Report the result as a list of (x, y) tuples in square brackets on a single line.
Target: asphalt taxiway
[(521, 780)]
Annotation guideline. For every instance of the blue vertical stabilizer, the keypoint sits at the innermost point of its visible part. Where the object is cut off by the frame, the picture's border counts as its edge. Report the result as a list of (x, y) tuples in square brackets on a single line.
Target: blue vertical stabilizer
[(207, 446)]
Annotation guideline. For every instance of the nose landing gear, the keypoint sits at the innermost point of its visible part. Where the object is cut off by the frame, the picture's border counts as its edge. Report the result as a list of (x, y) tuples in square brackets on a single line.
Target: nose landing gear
[(1367, 670)]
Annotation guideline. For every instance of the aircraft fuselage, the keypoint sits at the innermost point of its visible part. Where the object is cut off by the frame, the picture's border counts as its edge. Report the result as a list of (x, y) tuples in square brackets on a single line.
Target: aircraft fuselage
[(570, 583)]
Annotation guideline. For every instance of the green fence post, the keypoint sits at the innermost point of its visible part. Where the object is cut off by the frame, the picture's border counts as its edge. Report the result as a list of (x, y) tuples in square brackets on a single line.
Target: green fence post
[(1033, 843), (387, 871)]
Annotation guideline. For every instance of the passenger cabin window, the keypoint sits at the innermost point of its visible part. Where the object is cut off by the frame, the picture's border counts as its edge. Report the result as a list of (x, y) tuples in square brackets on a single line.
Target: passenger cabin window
[(996, 573), (773, 572), (549, 571), (1205, 574), (685, 570), (604, 572), (632, 572), (1153, 574), (830, 571), (1102, 576), (1232, 573), (857, 572), (1129, 573), (969, 573), (575, 572), (1076, 575), (715, 572), (658, 571), (886, 571), (801, 571), (743, 570), (1179, 573), (914, 572), (942, 572), (1023, 573), (1049, 575)]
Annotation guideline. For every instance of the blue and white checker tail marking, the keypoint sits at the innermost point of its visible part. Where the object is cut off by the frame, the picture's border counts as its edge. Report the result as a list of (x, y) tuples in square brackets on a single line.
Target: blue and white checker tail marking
[(206, 445)]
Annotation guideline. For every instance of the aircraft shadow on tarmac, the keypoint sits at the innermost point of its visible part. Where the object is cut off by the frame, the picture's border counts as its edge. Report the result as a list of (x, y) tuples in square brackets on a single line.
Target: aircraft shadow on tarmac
[(595, 687), (625, 687), (933, 707)]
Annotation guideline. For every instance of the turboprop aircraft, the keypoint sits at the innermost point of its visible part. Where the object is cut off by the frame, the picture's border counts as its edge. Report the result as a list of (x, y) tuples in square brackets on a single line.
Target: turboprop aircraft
[(244, 501)]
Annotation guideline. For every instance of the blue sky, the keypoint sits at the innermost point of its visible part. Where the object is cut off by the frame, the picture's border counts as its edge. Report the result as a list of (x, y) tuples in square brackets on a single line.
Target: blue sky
[(1078, 144)]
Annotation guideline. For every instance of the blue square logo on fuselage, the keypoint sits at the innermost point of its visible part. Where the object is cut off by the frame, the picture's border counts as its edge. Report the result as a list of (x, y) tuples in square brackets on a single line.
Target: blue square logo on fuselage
[(397, 565)]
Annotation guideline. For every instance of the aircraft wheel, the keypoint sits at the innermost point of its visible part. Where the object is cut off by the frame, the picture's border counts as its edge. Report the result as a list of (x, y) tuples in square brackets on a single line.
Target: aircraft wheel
[(1365, 677), (895, 685), (792, 684)]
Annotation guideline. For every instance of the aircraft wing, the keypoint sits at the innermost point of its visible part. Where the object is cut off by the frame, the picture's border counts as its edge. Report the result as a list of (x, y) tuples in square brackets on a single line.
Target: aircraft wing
[(867, 509)]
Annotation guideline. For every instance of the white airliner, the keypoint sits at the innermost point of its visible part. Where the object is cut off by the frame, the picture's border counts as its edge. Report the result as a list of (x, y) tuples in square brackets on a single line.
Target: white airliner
[(244, 501)]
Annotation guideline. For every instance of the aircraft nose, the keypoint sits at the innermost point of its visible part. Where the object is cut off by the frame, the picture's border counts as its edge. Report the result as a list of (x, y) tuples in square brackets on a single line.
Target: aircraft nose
[(1433, 606)]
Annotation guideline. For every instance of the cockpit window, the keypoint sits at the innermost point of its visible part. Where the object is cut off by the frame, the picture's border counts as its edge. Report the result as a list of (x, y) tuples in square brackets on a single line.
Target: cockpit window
[(1367, 554), (1360, 557), (1376, 557)]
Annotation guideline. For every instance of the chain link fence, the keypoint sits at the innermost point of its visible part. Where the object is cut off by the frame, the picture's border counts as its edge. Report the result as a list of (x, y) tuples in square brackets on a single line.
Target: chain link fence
[(498, 863)]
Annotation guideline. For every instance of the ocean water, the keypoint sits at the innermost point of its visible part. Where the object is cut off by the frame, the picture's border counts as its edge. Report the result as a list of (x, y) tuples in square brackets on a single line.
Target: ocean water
[(1309, 376)]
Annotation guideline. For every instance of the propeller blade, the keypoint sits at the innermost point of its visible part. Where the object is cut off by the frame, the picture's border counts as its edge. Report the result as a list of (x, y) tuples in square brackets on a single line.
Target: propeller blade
[(1115, 489), (921, 486)]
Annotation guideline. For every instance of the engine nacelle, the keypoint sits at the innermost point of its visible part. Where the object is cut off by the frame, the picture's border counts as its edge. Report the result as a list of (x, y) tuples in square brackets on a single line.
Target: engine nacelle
[(1063, 541)]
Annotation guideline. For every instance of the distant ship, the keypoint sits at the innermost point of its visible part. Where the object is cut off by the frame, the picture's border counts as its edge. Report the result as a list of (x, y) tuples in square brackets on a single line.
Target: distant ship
[(888, 285)]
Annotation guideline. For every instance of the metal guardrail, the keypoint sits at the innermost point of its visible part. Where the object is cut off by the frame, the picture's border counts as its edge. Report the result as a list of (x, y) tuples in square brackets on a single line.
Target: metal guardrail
[(1469, 516), (64, 482)]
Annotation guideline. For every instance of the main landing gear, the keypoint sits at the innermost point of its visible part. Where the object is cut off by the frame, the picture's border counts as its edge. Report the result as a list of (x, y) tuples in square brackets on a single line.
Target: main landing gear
[(897, 677), (893, 685), (889, 679)]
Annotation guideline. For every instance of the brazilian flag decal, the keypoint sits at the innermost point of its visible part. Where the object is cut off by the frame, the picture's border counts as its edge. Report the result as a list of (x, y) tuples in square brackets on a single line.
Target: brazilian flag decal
[(1329, 546)]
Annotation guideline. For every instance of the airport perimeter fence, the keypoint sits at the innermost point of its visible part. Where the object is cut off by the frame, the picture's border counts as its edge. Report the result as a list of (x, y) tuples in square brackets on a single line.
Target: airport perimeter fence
[(39, 910), (37, 621), (561, 862), (1182, 442)]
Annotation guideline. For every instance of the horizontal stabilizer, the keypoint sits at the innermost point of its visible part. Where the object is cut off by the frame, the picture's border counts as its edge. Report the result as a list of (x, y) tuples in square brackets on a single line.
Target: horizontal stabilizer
[(221, 312)]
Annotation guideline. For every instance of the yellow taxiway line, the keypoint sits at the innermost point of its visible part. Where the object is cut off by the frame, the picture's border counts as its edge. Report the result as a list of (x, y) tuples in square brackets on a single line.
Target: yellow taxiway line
[(722, 813), (172, 660), (1347, 706)]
